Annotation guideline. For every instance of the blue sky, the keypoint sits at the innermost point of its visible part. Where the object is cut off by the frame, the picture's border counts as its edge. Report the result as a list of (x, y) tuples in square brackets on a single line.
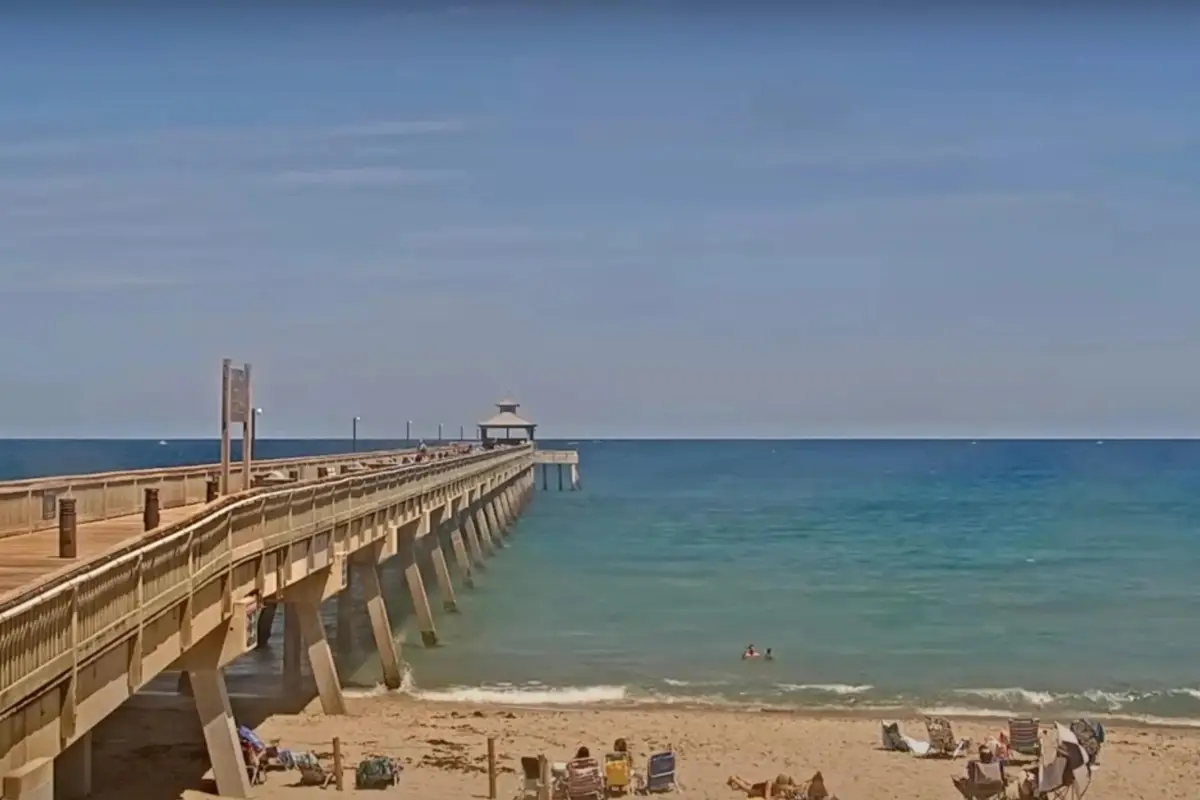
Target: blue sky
[(639, 223)]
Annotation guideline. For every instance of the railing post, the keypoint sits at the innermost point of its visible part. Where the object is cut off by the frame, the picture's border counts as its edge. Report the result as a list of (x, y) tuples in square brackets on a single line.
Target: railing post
[(67, 539), (211, 489), (150, 510)]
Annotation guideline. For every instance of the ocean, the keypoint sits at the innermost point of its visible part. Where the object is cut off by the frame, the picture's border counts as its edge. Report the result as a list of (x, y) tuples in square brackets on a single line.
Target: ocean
[(1057, 577)]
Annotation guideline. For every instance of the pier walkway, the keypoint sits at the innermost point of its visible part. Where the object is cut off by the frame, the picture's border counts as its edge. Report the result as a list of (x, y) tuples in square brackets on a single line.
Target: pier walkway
[(80, 635), (110, 506)]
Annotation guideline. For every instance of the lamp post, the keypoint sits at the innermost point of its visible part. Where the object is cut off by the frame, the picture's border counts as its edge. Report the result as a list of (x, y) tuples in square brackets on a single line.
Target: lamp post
[(354, 434), (408, 432), (439, 433), (254, 432)]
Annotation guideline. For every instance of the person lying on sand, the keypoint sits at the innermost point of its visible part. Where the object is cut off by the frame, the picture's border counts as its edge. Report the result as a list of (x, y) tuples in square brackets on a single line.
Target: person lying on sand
[(779, 787), (783, 787)]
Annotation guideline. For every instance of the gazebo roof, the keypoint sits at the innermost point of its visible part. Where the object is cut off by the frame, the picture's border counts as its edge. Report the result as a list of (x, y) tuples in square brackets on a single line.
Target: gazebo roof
[(506, 419)]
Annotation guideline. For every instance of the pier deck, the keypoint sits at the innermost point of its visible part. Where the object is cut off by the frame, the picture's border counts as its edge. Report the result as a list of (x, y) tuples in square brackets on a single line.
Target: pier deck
[(27, 558), (80, 636)]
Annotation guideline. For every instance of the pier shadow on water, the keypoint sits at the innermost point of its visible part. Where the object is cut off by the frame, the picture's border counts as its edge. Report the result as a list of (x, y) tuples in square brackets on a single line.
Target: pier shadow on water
[(154, 744)]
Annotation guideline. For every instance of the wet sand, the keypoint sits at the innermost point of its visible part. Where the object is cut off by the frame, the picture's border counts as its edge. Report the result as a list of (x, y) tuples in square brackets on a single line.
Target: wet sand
[(153, 754)]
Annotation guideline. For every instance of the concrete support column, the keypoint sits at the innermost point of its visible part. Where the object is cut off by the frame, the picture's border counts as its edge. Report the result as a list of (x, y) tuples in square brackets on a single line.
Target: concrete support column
[(345, 615), (381, 628), (73, 770), (266, 620), (203, 665), (34, 780), (445, 585), (305, 600), (495, 531), (479, 519), (293, 647), (506, 509), (460, 556), (473, 540), (420, 600)]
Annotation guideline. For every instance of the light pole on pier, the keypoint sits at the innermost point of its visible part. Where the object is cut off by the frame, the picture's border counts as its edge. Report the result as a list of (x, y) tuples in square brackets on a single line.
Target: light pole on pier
[(408, 432), (439, 432), (254, 432), (354, 434)]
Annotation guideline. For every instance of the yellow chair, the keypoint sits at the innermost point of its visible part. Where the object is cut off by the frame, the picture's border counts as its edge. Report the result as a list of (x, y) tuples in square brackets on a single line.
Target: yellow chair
[(618, 773)]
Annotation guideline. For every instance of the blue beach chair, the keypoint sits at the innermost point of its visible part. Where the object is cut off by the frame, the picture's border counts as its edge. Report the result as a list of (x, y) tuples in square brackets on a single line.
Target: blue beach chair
[(660, 774)]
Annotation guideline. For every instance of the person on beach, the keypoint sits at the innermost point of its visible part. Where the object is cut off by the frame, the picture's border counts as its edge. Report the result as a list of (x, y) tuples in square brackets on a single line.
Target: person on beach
[(783, 786), (749, 652), (583, 752)]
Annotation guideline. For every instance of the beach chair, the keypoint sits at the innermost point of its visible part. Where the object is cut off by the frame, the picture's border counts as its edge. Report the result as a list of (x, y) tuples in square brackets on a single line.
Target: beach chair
[(256, 763), (1090, 736), (1025, 737), (584, 781), (982, 781), (312, 772), (891, 738), (618, 773), (660, 774), (531, 779), (941, 744), (1067, 776)]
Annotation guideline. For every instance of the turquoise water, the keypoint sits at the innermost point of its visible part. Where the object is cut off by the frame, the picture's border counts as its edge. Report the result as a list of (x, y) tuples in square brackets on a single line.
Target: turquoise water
[(989, 576), (1001, 575)]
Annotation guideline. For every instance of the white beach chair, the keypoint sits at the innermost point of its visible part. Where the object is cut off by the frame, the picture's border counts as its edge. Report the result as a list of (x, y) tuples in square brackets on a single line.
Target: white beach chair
[(531, 779), (941, 744), (1068, 775)]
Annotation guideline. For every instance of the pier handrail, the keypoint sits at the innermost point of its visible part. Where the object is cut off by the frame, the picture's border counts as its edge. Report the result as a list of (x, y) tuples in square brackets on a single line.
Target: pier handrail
[(60, 623), (29, 505), (259, 464), (557, 457)]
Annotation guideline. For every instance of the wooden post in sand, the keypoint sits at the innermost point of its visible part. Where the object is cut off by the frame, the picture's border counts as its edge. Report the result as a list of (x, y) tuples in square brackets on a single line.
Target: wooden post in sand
[(492, 767), (544, 782), (337, 764)]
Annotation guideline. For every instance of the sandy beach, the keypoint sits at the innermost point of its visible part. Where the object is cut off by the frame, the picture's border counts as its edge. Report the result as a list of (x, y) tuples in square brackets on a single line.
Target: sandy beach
[(158, 753)]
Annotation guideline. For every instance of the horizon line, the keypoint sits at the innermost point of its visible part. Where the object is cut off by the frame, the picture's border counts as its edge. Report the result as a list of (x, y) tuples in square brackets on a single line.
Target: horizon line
[(594, 439)]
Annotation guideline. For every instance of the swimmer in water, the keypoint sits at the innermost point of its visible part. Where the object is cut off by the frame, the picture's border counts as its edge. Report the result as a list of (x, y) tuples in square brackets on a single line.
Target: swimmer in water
[(768, 655), (749, 652)]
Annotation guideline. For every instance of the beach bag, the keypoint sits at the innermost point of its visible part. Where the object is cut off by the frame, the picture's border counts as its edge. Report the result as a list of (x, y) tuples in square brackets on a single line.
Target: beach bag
[(376, 772)]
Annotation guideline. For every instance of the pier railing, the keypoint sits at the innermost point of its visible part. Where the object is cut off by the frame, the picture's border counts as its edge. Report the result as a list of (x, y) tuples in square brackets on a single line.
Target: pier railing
[(27, 506), (556, 457), (56, 627)]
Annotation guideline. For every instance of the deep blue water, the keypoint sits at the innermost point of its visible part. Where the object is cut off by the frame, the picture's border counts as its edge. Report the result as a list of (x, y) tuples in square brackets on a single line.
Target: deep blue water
[(999, 575), (31, 458)]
